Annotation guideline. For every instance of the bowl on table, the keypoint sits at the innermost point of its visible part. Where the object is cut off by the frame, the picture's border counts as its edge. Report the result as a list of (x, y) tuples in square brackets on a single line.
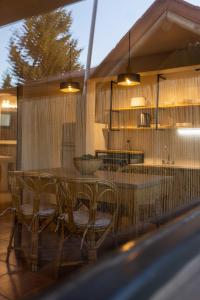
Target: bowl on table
[(87, 166)]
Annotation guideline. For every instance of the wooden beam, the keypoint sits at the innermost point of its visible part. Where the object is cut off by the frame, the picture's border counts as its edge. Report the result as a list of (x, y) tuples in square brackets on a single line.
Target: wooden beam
[(15, 10)]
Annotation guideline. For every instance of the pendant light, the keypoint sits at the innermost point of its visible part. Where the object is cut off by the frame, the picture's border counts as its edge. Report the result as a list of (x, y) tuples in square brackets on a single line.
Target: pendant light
[(70, 86), (128, 78)]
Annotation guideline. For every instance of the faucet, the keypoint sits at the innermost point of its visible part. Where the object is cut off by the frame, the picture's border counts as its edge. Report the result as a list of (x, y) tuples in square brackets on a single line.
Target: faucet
[(129, 144), (167, 161)]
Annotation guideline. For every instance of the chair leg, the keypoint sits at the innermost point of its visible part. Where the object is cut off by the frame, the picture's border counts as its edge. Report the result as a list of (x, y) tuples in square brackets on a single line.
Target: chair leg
[(115, 230), (9, 248), (18, 236), (34, 245), (158, 211), (92, 255), (60, 250), (92, 250)]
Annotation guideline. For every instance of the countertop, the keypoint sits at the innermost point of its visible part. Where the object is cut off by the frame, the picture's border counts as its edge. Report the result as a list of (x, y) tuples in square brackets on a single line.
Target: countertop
[(8, 142), (133, 180), (179, 165), (120, 151), (7, 158)]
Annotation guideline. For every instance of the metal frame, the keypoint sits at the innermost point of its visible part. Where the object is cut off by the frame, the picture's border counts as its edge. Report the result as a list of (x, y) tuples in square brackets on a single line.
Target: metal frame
[(90, 46), (159, 76), (111, 106), (111, 111), (86, 76), (19, 128)]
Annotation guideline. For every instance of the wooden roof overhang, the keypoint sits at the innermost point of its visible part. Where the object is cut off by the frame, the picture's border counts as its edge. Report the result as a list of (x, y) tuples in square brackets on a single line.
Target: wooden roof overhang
[(166, 36), (15, 10), (12, 11), (44, 87)]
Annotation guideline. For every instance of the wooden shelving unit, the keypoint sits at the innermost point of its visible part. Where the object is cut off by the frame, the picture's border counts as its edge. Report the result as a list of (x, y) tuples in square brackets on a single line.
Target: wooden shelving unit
[(8, 142), (142, 108), (120, 151), (141, 128), (154, 110), (154, 107)]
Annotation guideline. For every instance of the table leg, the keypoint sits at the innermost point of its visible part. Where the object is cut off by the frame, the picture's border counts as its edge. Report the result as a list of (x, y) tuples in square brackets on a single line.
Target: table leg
[(18, 236), (4, 177)]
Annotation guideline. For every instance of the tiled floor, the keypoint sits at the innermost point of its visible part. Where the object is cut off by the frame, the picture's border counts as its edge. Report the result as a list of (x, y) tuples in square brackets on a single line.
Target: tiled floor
[(16, 279)]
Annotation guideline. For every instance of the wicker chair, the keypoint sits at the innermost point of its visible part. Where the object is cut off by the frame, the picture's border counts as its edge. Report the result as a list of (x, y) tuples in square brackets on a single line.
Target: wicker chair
[(88, 209), (35, 212)]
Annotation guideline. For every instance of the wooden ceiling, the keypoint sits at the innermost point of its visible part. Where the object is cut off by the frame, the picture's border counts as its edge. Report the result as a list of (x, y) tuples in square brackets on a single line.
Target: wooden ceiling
[(15, 10), (166, 27)]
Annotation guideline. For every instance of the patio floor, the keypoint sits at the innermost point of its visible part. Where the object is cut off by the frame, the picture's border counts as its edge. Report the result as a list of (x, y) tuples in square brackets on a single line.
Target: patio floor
[(16, 279)]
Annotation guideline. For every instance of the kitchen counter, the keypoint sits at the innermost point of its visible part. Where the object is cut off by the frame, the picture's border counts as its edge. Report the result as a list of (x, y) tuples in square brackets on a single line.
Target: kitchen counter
[(120, 151), (186, 178), (134, 180), (8, 142), (184, 166)]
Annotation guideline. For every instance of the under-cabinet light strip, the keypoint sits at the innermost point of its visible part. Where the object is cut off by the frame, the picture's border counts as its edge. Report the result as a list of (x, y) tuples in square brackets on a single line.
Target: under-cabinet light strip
[(189, 131)]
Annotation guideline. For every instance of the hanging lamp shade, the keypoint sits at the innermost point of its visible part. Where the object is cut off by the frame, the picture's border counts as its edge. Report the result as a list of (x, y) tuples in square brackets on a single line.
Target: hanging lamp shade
[(128, 78), (69, 87)]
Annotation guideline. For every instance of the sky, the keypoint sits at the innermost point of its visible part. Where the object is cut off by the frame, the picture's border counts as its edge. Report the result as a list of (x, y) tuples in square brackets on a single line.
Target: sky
[(114, 19)]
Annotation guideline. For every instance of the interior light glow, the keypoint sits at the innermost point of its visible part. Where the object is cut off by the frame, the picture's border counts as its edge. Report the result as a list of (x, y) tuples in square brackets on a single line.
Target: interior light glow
[(128, 79), (7, 104), (128, 246), (138, 101), (189, 131), (69, 87)]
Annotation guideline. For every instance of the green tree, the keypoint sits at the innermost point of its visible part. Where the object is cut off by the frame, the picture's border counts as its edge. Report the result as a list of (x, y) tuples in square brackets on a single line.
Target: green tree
[(7, 81), (42, 47)]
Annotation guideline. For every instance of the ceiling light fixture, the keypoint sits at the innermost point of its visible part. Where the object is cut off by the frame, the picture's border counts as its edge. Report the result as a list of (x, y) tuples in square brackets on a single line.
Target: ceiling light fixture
[(128, 78), (70, 86)]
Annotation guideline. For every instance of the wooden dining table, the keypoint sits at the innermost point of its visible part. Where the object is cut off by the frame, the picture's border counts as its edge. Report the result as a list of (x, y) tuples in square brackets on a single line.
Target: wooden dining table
[(121, 179), (135, 190)]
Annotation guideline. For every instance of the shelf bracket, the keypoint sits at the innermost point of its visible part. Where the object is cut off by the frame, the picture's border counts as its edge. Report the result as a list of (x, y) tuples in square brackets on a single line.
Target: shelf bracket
[(111, 105), (111, 111), (159, 76)]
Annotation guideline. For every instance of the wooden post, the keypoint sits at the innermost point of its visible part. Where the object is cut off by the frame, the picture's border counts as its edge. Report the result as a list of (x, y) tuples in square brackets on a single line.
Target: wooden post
[(19, 127), (84, 102)]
